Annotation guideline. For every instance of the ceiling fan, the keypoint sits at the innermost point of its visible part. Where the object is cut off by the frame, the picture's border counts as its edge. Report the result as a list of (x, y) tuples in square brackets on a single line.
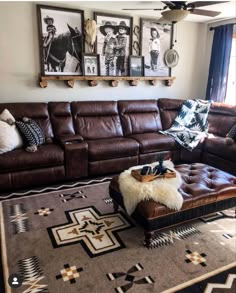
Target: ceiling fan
[(177, 10)]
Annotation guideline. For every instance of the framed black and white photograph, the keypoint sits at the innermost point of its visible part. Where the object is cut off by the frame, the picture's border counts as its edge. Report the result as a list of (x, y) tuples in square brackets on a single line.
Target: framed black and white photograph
[(91, 65), (156, 39), (61, 40), (114, 43), (136, 65)]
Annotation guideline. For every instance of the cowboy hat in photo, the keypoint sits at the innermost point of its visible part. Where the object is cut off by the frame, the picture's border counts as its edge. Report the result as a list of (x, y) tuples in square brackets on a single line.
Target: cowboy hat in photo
[(47, 18), (153, 29), (124, 26), (106, 25)]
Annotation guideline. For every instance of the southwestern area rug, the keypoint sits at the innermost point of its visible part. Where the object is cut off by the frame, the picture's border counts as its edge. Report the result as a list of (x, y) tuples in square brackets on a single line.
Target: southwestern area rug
[(72, 241)]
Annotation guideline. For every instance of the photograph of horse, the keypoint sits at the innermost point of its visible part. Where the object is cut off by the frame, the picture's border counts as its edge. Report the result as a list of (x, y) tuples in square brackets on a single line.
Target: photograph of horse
[(61, 40)]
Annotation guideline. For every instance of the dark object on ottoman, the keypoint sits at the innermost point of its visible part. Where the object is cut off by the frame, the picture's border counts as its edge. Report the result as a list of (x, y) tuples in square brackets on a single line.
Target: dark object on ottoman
[(205, 190)]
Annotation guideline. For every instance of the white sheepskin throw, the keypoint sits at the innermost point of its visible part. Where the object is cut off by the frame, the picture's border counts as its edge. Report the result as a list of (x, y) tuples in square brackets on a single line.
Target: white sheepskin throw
[(10, 138), (164, 191)]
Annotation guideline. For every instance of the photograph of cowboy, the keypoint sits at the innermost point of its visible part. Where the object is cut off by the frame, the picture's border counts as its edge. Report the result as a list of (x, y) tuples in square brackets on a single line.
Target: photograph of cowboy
[(113, 43), (122, 31), (155, 41), (51, 30), (108, 49), (154, 48), (91, 66), (61, 34)]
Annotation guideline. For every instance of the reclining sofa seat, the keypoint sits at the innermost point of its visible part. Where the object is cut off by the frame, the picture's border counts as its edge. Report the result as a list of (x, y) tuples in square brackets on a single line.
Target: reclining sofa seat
[(213, 150), (98, 122), (141, 121), (19, 168), (216, 153), (169, 109)]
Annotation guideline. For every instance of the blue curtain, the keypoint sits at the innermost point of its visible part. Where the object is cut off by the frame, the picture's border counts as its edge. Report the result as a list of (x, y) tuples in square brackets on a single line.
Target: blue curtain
[(219, 65)]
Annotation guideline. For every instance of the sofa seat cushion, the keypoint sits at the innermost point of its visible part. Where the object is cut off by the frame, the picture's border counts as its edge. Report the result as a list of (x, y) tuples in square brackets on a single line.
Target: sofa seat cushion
[(18, 160), (110, 148), (216, 145), (152, 142)]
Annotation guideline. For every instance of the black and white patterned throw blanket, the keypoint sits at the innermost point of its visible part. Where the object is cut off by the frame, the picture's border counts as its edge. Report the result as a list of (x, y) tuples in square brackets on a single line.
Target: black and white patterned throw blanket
[(191, 125)]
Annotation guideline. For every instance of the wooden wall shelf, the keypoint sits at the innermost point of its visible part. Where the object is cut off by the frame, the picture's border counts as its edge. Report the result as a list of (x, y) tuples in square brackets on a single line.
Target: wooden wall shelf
[(113, 80)]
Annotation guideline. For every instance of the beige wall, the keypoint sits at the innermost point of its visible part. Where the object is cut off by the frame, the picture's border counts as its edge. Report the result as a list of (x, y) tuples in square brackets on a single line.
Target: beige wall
[(19, 62)]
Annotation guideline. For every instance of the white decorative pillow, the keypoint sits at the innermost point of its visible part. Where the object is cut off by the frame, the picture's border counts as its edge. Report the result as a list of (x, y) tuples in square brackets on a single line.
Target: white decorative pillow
[(10, 138), (6, 116)]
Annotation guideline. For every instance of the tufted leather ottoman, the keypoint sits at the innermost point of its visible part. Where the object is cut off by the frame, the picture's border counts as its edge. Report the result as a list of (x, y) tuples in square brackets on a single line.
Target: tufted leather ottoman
[(205, 190)]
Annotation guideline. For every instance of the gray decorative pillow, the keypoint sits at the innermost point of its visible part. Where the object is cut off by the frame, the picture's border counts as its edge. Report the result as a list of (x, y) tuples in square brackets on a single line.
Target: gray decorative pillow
[(32, 133)]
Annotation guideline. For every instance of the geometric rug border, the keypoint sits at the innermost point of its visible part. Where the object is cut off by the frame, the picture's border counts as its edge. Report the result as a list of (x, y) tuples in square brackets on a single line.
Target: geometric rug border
[(81, 241), (49, 189), (4, 250), (186, 285), (198, 287)]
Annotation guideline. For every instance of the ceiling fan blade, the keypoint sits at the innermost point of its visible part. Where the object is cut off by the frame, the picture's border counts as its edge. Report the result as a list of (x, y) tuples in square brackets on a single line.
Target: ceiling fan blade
[(169, 3), (205, 3), (142, 9), (205, 12)]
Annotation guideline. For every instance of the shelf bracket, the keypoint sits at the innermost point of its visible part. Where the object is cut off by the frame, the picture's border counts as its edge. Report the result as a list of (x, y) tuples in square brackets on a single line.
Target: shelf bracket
[(92, 83), (153, 82), (169, 82), (114, 83), (70, 83), (133, 82), (43, 83)]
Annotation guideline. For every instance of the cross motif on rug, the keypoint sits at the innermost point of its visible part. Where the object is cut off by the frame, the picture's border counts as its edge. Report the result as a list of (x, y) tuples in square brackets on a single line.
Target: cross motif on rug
[(44, 211), (69, 273), (97, 233), (196, 258)]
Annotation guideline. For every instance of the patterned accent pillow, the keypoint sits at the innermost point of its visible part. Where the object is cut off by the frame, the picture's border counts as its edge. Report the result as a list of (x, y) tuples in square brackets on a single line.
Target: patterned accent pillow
[(31, 132), (232, 133)]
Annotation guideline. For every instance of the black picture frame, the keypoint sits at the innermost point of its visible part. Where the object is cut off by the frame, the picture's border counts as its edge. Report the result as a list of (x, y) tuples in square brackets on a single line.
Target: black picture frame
[(91, 65), (136, 65), (56, 26), (114, 55), (154, 63)]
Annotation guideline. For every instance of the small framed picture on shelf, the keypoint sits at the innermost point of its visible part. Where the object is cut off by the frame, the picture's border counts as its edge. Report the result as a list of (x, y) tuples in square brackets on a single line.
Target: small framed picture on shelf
[(91, 65), (136, 65)]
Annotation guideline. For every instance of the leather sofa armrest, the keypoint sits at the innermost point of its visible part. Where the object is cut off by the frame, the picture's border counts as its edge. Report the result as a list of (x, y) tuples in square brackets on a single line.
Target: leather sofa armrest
[(76, 160), (70, 139)]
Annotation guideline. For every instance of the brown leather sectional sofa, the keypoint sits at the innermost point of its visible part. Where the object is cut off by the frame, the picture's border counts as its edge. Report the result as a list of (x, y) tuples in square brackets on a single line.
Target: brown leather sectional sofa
[(104, 137)]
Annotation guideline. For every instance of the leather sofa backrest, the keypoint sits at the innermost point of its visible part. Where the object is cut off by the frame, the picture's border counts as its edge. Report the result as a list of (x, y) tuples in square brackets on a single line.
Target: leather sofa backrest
[(61, 118), (35, 111), (139, 116), (169, 109), (96, 119), (221, 118)]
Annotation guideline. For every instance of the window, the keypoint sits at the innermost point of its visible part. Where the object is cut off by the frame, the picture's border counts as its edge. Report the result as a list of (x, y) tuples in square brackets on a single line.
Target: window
[(231, 85)]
